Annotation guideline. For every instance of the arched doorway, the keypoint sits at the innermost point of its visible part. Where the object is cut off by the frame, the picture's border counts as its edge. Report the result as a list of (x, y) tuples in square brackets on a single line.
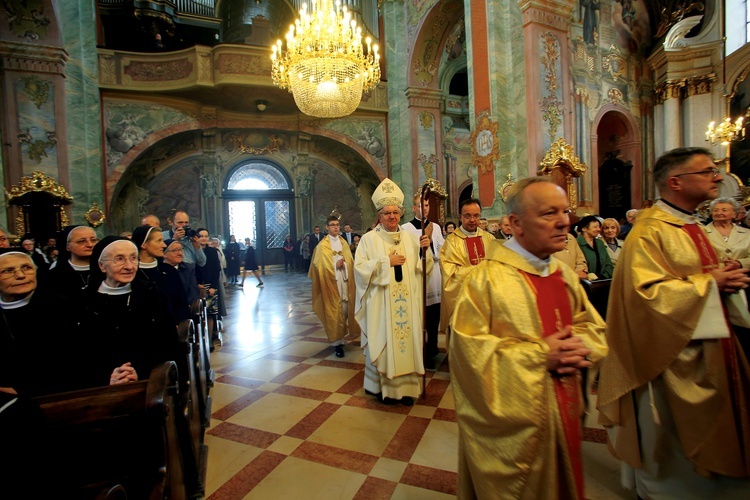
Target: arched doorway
[(259, 205), (616, 159)]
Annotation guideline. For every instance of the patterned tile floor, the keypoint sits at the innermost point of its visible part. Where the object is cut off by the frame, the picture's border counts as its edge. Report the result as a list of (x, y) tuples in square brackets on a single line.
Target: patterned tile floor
[(291, 420)]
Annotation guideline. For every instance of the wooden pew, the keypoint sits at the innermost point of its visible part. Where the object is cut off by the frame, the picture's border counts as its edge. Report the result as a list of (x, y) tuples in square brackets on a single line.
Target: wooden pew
[(189, 421), (201, 359), (598, 294), (120, 440)]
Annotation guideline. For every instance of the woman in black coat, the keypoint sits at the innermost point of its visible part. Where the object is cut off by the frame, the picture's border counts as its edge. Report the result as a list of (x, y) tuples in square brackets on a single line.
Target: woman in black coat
[(232, 253)]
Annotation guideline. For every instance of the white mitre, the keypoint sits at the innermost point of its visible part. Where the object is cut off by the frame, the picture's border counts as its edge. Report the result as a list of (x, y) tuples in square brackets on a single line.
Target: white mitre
[(387, 194)]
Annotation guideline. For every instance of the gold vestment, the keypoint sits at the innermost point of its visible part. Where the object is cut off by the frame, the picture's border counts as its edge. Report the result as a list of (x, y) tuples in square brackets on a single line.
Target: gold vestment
[(658, 293), (455, 266), (511, 443), (325, 292)]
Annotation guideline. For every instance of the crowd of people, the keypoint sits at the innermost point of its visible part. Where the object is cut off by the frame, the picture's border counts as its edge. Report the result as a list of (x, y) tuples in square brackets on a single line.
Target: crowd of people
[(674, 377), (673, 373)]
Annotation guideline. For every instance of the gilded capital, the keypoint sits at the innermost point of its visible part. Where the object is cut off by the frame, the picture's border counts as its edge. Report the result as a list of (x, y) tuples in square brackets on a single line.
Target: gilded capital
[(700, 84)]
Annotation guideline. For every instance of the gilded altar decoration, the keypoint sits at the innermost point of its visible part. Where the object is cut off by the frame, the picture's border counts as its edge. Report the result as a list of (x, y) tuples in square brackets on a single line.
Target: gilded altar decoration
[(484, 150), (26, 191), (505, 188), (560, 156), (94, 215), (324, 64), (38, 182)]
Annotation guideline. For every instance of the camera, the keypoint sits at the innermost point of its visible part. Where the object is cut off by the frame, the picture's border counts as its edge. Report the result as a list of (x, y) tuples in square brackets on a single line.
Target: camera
[(190, 232)]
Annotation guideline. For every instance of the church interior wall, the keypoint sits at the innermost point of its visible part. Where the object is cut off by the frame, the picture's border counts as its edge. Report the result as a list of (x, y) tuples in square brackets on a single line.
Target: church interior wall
[(99, 131)]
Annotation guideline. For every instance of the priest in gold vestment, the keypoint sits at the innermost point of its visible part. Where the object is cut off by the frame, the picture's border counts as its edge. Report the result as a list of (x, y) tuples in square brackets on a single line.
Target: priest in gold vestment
[(333, 290), (522, 330), (673, 392), (388, 275), (455, 259)]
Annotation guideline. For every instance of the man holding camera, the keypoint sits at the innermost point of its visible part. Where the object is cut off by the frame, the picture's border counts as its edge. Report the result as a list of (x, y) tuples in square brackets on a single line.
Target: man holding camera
[(181, 231)]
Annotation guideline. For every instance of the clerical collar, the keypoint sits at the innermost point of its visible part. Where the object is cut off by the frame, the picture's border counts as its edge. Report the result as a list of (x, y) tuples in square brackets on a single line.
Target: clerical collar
[(76, 267), (467, 233), (16, 304), (120, 290), (681, 214), (148, 265), (676, 207), (333, 238), (541, 265)]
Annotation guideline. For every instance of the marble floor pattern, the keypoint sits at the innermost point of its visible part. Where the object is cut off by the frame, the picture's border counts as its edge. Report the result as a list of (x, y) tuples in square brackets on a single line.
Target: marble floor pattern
[(290, 420)]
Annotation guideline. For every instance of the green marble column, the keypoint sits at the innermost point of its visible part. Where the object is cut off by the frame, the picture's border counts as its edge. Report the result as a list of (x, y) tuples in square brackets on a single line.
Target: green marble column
[(85, 155), (507, 82)]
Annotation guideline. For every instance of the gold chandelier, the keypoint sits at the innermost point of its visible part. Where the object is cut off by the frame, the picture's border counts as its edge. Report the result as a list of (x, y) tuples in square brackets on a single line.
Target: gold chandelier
[(325, 66), (726, 132)]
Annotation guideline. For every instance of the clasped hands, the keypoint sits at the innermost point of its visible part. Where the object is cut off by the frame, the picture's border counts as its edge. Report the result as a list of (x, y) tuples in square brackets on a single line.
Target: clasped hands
[(396, 259), (567, 354), (123, 374), (732, 277)]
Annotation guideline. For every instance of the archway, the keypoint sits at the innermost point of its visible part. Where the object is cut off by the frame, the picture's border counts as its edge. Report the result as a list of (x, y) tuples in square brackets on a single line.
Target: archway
[(259, 207), (616, 162)]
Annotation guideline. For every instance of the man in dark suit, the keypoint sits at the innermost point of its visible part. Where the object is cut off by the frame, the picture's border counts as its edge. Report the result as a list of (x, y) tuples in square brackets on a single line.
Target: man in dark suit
[(315, 238), (348, 234)]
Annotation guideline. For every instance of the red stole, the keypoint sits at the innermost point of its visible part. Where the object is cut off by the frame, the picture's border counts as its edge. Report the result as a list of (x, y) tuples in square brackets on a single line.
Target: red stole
[(475, 249), (553, 306), (709, 262)]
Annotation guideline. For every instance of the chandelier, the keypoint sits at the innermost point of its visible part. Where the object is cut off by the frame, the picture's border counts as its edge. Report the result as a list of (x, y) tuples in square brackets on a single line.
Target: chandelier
[(726, 132), (325, 66)]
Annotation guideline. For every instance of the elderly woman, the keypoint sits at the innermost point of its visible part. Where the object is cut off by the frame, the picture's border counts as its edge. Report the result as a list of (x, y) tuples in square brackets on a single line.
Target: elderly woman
[(599, 264), (173, 256), (32, 331), (128, 323), (153, 272), (610, 230), (69, 275), (731, 242)]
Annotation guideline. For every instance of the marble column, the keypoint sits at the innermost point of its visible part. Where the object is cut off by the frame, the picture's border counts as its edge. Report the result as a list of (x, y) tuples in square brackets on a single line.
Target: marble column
[(427, 140), (497, 90), (672, 114), (697, 108)]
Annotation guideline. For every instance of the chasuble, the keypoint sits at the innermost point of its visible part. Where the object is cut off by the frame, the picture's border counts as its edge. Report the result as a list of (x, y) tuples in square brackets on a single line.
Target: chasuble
[(675, 375), (456, 264), (516, 438), (330, 285)]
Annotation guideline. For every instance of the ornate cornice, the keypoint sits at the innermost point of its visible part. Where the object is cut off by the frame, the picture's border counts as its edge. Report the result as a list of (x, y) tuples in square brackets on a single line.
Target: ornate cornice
[(37, 58), (424, 98), (555, 14), (670, 89), (698, 85)]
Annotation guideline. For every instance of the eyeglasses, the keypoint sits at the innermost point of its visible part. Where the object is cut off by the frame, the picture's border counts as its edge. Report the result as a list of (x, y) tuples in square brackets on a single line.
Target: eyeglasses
[(471, 217), (175, 250), (10, 272), (388, 214), (83, 241), (713, 172), (119, 260), (333, 225)]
